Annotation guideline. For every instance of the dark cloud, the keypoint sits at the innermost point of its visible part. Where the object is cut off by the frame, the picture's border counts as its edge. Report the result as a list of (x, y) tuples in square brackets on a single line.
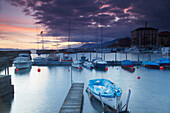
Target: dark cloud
[(119, 17)]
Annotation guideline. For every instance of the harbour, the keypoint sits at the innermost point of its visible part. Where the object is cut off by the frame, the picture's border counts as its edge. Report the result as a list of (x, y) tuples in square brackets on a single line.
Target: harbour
[(52, 84)]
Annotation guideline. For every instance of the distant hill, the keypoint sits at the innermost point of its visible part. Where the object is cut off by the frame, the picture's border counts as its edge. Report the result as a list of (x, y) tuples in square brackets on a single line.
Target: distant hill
[(123, 42), (120, 42)]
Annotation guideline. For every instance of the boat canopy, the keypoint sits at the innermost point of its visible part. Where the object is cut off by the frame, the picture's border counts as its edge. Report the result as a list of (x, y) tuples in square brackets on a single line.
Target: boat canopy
[(127, 62), (149, 63)]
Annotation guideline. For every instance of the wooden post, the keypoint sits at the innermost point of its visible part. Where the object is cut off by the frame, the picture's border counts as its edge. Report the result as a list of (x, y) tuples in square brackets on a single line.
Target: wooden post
[(104, 55), (5, 68), (71, 77), (126, 55), (115, 56), (8, 68), (90, 55), (138, 56)]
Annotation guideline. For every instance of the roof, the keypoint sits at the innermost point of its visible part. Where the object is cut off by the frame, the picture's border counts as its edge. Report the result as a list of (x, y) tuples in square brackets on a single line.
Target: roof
[(145, 28), (164, 33)]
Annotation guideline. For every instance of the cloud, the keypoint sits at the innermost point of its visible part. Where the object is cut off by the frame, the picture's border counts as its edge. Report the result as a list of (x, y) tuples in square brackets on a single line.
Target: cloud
[(119, 17)]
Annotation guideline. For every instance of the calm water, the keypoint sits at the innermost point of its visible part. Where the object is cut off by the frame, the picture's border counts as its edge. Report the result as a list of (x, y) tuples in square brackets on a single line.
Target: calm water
[(45, 91)]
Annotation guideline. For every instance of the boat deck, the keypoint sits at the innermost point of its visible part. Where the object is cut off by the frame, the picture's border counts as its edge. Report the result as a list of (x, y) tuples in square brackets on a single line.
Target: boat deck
[(73, 102)]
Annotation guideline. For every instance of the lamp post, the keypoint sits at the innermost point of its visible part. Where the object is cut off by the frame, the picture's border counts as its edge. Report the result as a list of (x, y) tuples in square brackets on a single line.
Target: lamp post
[(42, 39)]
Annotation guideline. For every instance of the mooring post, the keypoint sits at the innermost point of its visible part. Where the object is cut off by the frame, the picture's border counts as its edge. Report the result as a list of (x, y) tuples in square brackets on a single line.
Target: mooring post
[(115, 56), (104, 55), (90, 56), (126, 55), (71, 76), (138, 56)]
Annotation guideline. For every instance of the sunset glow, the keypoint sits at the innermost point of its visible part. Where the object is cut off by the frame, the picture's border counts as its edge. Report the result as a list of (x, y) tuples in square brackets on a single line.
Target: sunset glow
[(21, 21)]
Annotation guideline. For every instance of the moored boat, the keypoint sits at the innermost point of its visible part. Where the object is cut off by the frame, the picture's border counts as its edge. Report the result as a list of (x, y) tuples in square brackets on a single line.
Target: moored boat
[(22, 61), (99, 63), (83, 59), (66, 57), (163, 62), (53, 57), (88, 65), (150, 64), (128, 65), (106, 90), (76, 64)]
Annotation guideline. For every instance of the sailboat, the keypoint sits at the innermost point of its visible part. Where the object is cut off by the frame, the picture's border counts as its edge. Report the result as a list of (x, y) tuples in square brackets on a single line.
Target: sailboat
[(66, 56), (99, 62)]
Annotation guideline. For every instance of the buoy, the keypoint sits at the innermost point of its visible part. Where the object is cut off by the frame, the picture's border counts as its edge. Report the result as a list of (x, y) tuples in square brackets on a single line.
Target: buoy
[(17, 69), (133, 69), (79, 68), (106, 68), (138, 77), (38, 69), (161, 67)]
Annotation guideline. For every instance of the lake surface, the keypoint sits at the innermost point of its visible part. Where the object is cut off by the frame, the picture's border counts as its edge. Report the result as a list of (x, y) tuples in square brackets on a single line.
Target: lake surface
[(45, 91)]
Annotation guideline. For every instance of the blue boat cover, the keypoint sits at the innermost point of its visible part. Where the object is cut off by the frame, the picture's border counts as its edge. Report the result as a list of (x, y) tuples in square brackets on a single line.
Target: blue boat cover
[(162, 61), (149, 63), (105, 87), (126, 63)]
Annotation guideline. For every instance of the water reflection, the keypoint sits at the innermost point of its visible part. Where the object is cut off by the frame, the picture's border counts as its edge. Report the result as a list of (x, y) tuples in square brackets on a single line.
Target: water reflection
[(6, 104), (23, 71)]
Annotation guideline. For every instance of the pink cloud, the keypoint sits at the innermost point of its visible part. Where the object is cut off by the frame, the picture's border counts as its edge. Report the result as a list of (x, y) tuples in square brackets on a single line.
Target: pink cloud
[(104, 6), (127, 9), (18, 29)]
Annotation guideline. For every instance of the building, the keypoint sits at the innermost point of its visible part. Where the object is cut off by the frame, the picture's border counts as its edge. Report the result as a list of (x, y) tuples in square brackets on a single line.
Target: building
[(144, 37), (164, 39)]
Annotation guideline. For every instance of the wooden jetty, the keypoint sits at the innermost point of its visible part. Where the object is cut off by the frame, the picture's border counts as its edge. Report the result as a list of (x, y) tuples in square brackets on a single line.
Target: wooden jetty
[(73, 102)]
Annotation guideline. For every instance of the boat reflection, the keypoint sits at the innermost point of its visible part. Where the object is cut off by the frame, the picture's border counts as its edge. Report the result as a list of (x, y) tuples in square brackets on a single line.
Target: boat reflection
[(23, 71)]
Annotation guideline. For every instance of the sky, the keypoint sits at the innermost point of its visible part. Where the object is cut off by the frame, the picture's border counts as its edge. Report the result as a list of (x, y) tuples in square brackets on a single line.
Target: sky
[(21, 21)]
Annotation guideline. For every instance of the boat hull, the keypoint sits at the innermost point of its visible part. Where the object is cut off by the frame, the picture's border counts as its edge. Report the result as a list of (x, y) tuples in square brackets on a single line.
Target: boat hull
[(97, 65), (76, 66), (22, 65), (128, 68), (111, 102), (152, 66)]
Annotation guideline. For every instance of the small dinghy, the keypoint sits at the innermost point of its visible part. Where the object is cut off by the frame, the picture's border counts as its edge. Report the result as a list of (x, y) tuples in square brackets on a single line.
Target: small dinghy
[(128, 65), (105, 90), (150, 64)]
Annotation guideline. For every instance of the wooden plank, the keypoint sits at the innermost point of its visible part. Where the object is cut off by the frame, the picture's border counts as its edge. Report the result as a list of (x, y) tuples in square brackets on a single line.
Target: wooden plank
[(74, 100)]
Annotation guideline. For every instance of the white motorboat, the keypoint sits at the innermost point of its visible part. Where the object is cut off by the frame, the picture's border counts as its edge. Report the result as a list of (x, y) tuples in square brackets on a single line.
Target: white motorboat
[(99, 63), (88, 65), (76, 64), (23, 61)]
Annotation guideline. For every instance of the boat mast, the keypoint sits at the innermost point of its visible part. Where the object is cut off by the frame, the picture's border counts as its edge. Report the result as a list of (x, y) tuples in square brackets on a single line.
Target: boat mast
[(69, 46), (101, 38), (97, 40)]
